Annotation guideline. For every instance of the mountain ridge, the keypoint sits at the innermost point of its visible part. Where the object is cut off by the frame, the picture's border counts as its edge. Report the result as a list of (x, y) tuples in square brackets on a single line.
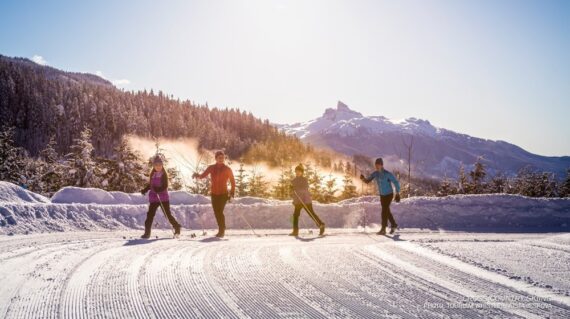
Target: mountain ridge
[(439, 151)]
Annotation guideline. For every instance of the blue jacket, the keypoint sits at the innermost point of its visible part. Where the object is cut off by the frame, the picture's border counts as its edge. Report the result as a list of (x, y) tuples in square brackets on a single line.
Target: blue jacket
[(384, 179)]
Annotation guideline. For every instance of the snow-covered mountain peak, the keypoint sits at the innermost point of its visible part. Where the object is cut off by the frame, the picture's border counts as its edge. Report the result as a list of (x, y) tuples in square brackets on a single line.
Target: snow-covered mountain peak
[(342, 112)]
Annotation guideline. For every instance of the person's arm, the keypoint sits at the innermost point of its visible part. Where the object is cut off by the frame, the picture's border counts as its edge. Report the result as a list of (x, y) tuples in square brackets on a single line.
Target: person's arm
[(369, 178), (232, 182), (395, 182), (145, 189), (204, 174)]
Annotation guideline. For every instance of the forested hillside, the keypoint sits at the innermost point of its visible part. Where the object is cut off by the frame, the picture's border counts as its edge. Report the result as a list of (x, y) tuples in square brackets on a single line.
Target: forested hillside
[(41, 102)]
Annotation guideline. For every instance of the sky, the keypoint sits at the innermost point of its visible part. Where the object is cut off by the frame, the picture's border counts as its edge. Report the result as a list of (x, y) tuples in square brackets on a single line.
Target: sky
[(496, 69)]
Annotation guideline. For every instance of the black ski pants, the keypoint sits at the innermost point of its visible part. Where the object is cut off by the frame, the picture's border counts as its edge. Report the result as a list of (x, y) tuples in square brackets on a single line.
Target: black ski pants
[(385, 201), (311, 213), (152, 208), (218, 204)]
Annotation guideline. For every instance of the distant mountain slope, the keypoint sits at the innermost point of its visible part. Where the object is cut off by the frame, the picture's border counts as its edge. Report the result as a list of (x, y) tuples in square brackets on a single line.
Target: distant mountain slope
[(436, 151)]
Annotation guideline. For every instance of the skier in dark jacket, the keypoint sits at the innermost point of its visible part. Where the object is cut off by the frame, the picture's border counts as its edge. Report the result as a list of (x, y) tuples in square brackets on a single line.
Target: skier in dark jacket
[(158, 196), (385, 180), (220, 174), (302, 199)]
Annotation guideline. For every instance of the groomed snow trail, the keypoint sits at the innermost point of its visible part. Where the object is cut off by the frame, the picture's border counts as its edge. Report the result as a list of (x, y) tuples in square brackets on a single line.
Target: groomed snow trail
[(343, 275)]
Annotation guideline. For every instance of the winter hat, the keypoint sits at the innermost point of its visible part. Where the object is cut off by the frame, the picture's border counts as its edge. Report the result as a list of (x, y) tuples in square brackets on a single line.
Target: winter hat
[(300, 168), (379, 160), (157, 160), (218, 153)]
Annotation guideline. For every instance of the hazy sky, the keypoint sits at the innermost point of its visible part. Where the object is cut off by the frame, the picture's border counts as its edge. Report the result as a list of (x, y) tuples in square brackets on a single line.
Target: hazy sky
[(496, 69)]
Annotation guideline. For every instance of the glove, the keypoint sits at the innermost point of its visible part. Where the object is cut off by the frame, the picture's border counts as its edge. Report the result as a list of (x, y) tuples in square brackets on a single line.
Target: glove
[(195, 175), (362, 177), (397, 198), (143, 192)]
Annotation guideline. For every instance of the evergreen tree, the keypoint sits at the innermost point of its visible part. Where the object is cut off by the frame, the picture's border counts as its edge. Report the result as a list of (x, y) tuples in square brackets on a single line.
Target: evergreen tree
[(348, 188), (11, 158), (329, 190), (315, 182), (477, 177), (126, 172), (241, 181), (82, 166), (446, 188), (257, 184), (565, 187), (497, 184), (463, 185), (281, 190)]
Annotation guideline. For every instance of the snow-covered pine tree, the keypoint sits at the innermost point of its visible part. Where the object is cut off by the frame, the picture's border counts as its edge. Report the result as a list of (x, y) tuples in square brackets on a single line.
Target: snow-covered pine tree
[(50, 169), (477, 175), (125, 172), (462, 183), (446, 187), (11, 157), (81, 165)]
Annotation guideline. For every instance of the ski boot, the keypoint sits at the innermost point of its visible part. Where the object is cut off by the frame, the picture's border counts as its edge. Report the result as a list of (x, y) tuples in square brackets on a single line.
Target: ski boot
[(382, 231), (393, 229), (146, 235), (294, 233), (176, 231), (221, 233), (322, 229)]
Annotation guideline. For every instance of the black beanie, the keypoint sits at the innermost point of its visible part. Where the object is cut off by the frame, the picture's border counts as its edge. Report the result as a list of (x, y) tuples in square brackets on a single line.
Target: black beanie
[(379, 160)]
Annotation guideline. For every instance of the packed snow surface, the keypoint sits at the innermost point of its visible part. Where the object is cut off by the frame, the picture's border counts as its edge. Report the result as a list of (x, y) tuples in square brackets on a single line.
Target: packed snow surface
[(348, 274)]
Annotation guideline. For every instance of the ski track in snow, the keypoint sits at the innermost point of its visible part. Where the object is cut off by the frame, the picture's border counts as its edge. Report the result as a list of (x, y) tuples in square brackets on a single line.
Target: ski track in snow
[(343, 275)]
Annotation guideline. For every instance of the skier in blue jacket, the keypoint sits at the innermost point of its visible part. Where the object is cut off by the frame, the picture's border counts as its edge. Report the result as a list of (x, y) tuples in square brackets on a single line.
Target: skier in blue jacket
[(385, 180)]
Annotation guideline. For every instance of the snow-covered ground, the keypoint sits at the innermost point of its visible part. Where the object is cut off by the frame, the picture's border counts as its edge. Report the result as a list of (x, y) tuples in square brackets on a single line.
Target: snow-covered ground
[(72, 209), (416, 274), (50, 269)]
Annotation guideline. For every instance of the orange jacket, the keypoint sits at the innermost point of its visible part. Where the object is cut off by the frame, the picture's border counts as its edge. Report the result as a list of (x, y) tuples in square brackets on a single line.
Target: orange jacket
[(220, 173)]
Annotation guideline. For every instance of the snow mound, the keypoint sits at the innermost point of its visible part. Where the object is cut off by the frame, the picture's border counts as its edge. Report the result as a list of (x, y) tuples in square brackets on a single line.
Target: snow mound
[(16, 194), (93, 209), (76, 195)]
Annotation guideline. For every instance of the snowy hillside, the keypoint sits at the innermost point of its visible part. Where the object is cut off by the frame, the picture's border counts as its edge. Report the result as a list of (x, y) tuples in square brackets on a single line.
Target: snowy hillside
[(94, 209), (440, 151)]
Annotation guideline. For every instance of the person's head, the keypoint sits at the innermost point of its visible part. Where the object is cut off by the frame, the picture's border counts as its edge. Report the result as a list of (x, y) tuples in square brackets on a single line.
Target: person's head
[(157, 163), (299, 170), (379, 163), (220, 157)]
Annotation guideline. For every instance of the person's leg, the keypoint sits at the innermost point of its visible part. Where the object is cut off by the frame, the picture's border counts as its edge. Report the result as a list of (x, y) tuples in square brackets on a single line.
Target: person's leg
[(313, 215), (296, 214), (170, 217), (219, 203), (316, 218), (389, 212), (149, 218), (385, 203)]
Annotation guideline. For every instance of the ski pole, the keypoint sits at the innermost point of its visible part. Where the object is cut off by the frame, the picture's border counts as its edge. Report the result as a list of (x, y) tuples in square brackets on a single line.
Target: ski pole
[(202, 224), (248, 224), (164, 213), (307, 209)]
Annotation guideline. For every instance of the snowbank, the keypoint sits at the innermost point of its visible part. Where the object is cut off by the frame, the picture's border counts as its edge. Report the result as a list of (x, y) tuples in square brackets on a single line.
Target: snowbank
[(16, 194), (94, 209), (77, 195)]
